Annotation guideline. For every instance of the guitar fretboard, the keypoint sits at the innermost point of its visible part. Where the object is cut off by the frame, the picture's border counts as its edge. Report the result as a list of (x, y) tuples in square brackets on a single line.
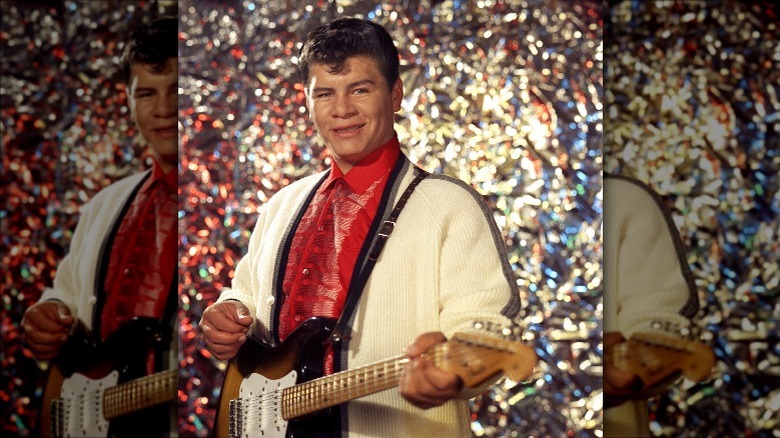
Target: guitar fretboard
[(139, 394), (342, 387)]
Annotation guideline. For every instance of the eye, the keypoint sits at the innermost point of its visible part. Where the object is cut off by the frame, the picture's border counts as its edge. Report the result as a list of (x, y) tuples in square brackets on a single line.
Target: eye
[(361, 91)]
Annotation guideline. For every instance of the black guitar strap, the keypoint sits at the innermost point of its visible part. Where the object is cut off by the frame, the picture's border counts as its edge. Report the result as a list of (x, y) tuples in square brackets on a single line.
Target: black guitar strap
[(359, 282), (168, 327)]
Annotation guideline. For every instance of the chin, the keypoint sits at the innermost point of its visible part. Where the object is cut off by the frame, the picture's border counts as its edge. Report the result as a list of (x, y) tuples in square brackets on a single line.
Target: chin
[(169, 157)]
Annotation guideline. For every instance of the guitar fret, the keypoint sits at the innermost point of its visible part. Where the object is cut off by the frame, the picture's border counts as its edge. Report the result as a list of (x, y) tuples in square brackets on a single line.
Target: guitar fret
[(331, 390), (138, 394)]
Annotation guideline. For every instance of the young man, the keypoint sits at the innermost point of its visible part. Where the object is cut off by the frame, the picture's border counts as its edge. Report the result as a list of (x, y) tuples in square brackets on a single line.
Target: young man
[(122, 259), (442, 269)]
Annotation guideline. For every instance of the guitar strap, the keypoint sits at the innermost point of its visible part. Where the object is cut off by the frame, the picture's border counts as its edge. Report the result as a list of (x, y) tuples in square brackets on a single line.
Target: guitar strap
[(358, 283), (168, 322)]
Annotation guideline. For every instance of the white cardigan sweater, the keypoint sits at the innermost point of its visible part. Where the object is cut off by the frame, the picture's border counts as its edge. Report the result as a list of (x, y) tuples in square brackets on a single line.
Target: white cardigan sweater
[(647, 282), (75, 281), (443, 268)]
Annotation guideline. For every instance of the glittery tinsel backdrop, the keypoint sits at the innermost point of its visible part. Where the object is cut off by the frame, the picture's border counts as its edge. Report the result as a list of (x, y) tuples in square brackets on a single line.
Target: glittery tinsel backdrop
[(66, 132), (505, 95), (693, 109)]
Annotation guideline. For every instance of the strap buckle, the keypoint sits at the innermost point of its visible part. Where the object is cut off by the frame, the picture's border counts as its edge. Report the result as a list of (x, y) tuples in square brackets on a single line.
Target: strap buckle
[(382, 235)]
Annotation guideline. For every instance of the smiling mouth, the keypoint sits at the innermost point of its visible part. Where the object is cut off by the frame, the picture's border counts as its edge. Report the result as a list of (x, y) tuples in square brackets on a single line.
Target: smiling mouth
[(349, 129), (168, 131)]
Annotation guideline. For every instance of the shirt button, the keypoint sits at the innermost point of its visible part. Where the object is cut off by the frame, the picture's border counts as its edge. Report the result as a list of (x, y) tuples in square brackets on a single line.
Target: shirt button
[(270, 301), (305, 272)]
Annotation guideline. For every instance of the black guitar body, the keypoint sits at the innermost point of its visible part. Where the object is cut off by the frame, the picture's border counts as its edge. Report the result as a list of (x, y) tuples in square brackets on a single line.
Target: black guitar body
[(125, 351), (304, 350)]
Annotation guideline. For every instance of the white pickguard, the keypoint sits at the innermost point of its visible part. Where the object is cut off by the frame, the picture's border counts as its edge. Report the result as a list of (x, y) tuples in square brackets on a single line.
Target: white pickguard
[(81, 404), (257, 412)]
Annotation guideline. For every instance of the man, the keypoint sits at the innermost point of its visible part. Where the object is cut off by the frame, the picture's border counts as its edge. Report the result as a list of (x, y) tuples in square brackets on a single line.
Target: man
[(647, 288), (442, 268), (122, 259)]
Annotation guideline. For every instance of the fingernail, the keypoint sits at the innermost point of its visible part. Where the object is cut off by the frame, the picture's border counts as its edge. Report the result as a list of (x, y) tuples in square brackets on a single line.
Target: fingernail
[(62, 313), (242, 339)]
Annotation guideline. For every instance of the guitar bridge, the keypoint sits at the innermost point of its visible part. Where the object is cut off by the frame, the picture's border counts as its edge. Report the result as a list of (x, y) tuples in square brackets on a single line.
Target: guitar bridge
[(56, 428), (235, 419)]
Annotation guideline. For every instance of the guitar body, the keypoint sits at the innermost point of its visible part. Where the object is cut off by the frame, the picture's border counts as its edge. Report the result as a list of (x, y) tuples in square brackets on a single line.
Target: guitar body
[(258, 370), (73, 398)]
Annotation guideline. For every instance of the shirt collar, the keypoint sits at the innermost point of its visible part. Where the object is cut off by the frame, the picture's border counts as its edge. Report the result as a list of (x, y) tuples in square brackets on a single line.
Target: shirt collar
[(170, 178), (371, 168)]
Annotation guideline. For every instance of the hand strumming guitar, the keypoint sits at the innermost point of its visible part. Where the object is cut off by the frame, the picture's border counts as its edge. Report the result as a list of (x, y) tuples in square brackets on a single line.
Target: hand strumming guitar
[(224, 328), (46, 327), (422, 383)]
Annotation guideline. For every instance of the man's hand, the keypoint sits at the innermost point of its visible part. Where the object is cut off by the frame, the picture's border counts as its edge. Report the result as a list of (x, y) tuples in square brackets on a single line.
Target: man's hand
[(422, 384), (618, 384), (46, 327), (224, 327)]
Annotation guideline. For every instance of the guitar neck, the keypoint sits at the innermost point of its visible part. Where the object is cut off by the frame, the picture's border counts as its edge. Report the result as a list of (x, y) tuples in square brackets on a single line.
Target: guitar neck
[(139, 394), (342, 387)]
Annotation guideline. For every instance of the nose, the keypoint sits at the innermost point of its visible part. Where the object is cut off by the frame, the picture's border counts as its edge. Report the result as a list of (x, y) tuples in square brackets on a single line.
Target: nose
[(167, 105), (343, 107)]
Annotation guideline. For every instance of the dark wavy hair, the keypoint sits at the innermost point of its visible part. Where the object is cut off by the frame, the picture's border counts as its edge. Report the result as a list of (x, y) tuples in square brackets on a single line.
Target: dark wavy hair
[(332, 43), (152, 44)]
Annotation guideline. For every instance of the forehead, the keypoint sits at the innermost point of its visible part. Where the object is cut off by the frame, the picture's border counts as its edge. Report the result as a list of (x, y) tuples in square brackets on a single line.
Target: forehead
[(142, 72), (355, 67)]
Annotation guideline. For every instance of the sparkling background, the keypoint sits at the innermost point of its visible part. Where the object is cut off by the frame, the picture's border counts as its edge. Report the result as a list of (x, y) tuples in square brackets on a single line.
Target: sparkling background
[(505, 95), (693, 109), (66, 133)]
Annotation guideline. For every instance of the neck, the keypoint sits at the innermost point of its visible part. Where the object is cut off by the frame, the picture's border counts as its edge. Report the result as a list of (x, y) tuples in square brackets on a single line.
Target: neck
[(164, 165)]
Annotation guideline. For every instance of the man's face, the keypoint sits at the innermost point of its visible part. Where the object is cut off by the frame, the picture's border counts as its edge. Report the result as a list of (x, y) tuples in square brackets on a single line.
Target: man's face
[(353, 110), (154, 102)]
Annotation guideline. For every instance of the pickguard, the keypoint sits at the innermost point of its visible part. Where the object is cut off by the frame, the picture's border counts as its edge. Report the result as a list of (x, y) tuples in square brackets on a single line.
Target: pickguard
[(79, 410), (258, 409)]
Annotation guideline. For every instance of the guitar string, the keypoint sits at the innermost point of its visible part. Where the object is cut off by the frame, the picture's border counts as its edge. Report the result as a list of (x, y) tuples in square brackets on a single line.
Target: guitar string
[(117, 398), (273, 398), (396, 365)]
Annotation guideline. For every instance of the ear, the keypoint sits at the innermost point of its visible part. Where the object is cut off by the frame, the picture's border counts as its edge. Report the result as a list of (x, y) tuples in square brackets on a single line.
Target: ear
[(397, 94), (130, 92), (306, 99)]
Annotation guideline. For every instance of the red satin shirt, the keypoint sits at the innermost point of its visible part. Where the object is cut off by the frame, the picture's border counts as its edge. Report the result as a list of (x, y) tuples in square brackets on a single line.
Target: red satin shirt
[(143, 257), (328, 240)]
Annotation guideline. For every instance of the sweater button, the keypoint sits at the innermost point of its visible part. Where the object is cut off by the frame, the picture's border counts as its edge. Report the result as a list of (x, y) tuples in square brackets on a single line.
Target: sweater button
[(270, 301)]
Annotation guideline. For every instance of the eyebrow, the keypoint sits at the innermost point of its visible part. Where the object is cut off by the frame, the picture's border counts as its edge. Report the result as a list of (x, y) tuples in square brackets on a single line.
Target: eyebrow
[(349, 86), (153, 89)]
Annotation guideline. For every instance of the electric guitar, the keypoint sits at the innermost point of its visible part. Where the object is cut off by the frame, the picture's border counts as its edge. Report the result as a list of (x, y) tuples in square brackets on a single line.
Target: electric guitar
[(267, 391), (97, 391), (659, 360)]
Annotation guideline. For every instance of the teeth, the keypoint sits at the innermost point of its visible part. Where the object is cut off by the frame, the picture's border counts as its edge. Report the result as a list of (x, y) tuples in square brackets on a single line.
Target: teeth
[(349, 129)]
